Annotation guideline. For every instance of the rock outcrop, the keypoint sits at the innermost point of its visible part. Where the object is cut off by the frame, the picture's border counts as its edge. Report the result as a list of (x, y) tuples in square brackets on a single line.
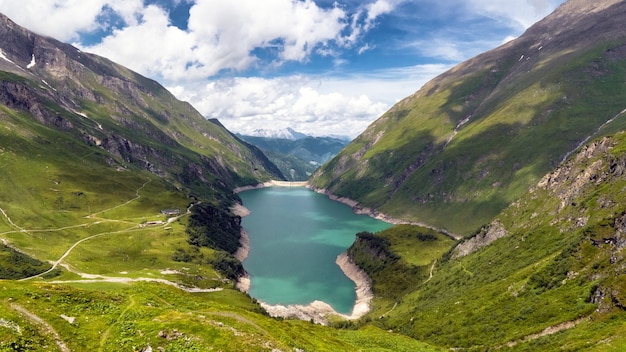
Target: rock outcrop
[(131, 118)]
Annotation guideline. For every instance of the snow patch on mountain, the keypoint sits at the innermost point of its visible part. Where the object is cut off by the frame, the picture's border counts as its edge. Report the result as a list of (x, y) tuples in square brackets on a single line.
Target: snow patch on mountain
[(284, 133), (32, 63)]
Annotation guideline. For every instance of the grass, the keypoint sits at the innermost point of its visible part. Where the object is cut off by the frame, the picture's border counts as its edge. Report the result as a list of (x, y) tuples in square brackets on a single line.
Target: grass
[(54, 200), (126, 317), (521, 126), (555, 266)]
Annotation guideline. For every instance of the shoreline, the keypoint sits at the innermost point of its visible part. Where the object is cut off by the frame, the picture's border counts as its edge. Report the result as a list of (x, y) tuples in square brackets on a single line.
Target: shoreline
[(317, 311), (271, 183), (358, 209), (243, 282)]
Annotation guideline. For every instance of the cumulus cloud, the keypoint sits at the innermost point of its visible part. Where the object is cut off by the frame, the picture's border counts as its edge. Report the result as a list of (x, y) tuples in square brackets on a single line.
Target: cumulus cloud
[(377, 8), (245, 104), (65, 19), (320, 105), (223, 35)]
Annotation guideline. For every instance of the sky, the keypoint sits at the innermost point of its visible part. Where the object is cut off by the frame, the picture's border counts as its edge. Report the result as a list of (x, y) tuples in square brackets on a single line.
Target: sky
[(321, 67)]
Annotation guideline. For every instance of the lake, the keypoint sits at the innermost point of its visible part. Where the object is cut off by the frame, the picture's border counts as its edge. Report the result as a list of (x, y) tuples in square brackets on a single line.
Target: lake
[(295, 237)]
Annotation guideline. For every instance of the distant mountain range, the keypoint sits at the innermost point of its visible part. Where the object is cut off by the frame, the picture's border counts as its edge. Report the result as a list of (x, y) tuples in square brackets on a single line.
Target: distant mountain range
[(296, 154), (286, 133)]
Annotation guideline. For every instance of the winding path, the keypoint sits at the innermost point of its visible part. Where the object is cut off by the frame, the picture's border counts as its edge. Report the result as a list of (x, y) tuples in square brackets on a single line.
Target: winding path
[(91, 216), (90, 278), (11, 221)]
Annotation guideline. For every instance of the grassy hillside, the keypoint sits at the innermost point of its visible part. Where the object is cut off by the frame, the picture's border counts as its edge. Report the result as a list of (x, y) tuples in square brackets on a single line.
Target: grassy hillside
[(120, 280), (551, 264), (474, 139), (118, 317), (90, 155), (113, 291), (301, 156)]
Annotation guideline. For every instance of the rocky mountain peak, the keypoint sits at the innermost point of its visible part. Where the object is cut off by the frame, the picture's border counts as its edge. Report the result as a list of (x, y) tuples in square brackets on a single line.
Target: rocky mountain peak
[(17, 44)]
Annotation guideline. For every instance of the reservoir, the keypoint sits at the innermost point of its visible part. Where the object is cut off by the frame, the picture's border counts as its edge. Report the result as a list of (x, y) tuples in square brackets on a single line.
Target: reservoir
[(295, 237)]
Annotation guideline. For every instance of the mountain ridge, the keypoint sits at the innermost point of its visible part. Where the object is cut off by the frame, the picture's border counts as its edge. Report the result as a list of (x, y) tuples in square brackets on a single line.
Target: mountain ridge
[(298, 158), (476, 137), (285, 133), (135, 102), (127, 191)]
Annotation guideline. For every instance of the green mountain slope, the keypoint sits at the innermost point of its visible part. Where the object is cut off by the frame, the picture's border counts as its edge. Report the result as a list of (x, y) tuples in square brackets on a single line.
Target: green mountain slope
[(127, 117), (303, 155), (475, 138), (114, 216), (91, 154), (546, 274)]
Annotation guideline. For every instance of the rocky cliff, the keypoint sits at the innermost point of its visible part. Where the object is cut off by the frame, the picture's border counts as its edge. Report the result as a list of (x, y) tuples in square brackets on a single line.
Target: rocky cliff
[(131, 118)]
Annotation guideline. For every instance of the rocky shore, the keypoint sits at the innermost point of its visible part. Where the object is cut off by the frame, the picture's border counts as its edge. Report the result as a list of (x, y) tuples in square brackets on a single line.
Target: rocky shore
[(317, 311), (243, 283), (364, 294)]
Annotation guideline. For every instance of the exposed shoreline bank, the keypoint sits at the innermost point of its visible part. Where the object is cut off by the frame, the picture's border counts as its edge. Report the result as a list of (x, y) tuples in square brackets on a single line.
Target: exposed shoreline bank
[(358, 209), (243, 282), (317, 311), (271, 183)]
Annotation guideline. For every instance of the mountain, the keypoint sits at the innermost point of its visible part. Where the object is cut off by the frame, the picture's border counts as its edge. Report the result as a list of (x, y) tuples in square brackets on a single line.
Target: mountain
[(303, 155), (119, 116), (116, 226), (546, 274), (287, 133), (475, 138), (115, 208)]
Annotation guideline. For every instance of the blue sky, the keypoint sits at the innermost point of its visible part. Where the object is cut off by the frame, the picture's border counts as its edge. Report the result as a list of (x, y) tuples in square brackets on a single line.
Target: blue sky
[(321, 67)]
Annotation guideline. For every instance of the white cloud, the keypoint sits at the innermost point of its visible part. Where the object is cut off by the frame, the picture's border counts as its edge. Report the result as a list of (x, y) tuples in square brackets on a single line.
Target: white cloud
[(222, 35), (154, 47), (245, 104), (65, 19), (377, 8), (365, 48), (319, 106), (522, 13)]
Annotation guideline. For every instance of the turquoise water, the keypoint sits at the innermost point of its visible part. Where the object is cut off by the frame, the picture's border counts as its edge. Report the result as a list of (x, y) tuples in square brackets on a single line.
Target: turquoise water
[(295, 238)]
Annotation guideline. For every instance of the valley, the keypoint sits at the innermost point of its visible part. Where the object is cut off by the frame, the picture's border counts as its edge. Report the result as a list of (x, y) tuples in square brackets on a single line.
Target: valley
[(501, 181)]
